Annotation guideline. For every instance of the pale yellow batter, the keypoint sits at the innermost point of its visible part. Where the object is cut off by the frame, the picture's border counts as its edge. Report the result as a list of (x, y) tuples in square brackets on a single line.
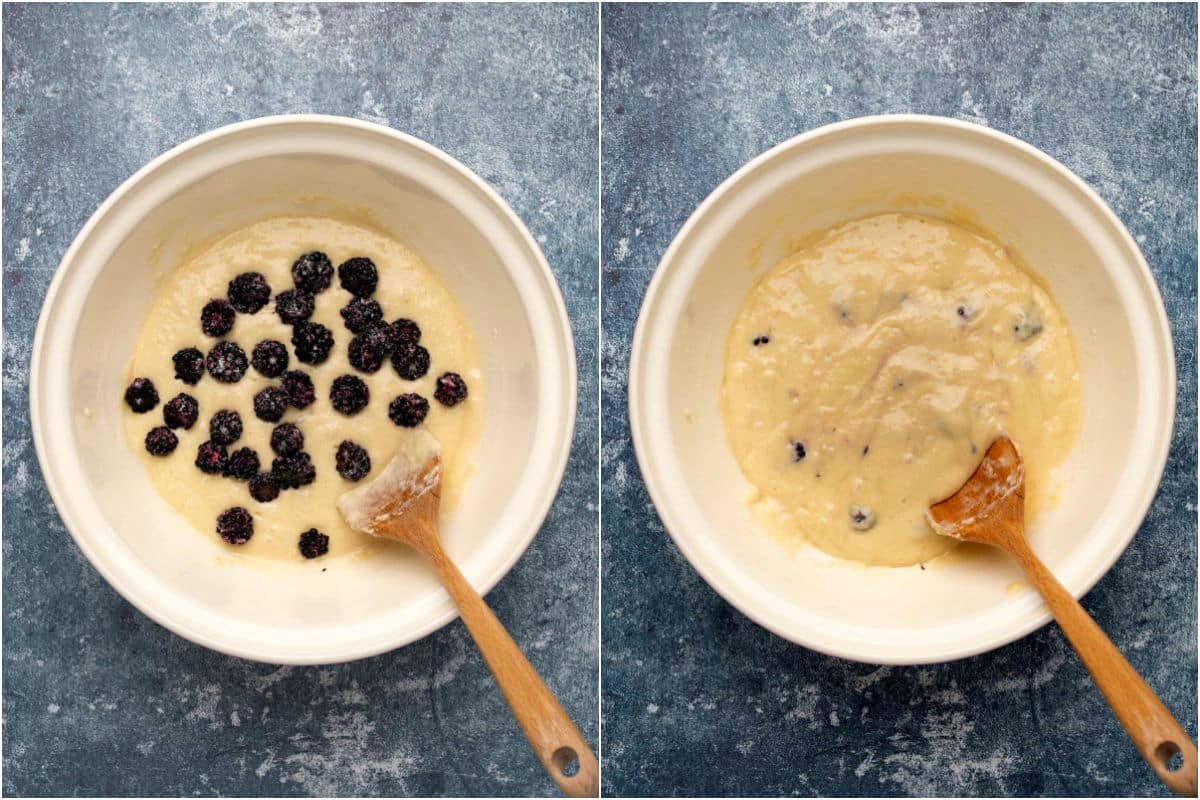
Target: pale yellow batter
[(890, 352), (407, 288)]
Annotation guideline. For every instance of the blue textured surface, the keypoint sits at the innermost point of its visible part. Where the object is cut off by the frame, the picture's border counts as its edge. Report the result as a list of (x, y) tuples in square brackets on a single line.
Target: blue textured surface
[(99, 700), (697, 699)]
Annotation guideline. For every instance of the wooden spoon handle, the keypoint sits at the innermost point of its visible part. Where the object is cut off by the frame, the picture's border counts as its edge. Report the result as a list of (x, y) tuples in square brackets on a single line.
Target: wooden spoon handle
[(1154, 731), (554, 738)]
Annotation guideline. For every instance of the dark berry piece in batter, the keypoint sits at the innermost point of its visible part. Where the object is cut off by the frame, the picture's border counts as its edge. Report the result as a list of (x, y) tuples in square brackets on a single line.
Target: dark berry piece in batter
[(227, 362), (181, 411), (348, 394), (411, 361), (242, 464), (287, 439), (353, 463), (141, 395), (211, 458), (270, 358), (294, 305), (451, 389), (361, 313), (761, 339), (235, 525), (217, 317), (312, 341), (369, 349), (225, 427), (358, 276), (798, 451), (408, 410), (189, 365), (404, 330), (161, 441), (299, 388), (270, 403), (263, 487), (249, 292), (313, 543), (313, 272), (292, 472)]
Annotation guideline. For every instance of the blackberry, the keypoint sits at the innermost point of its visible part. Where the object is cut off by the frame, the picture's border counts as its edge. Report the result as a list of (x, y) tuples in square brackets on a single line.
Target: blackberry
[(211, 458), (292, 472), (249, 292), (270, 358), (181, 411), (358, 276), (299, 388), (263, 487), (217, 318), (451, 389), (408, 410), (404, 330), (225, 427), (411, 361), (313, 543), (353, 463), (141, 395), (235, 525), (360, 314), (313, 272), (189, 365), (348, 394), (368, 349), (294, 305), (270, 403), (162, 441), (242, 464), (227, 362), (287, 439), (312, 342)]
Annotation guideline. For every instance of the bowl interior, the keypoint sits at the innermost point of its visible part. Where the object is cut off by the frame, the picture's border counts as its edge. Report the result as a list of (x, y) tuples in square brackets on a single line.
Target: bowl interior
[(357, 605), (962, 604)]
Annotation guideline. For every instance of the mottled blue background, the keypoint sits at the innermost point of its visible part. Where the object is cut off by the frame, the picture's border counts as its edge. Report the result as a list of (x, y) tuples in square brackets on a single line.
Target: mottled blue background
[(98, 699), (697, 699)]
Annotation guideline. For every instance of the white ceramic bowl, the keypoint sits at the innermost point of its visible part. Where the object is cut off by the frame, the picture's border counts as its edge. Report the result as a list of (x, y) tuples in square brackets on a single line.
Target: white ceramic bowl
[(217, 182), (839, 172)]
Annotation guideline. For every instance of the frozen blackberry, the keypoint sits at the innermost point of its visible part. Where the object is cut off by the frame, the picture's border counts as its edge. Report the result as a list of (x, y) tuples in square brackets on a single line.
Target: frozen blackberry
[(270, 358), (181, 411), (242, 464), (235, 525), (451, 389), (217, 318), (358, 276), (249, 292), (312, 341), (361, 313), (141, 395), (287, 439), (313, 272), (162, 441), (353, 463), (368, 349), (225, 427), (263, 487), (408, 410), (313, 543), (292, 472), (348, 394), (270, 403), (299, 388), (189, 365), (411, 361), (404, 330), (211, 458), (227, 362), (294, 305)]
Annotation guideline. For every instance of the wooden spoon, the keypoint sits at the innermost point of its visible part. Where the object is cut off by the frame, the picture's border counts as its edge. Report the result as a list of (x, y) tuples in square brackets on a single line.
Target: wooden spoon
[(402, 504), (990, 509)]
